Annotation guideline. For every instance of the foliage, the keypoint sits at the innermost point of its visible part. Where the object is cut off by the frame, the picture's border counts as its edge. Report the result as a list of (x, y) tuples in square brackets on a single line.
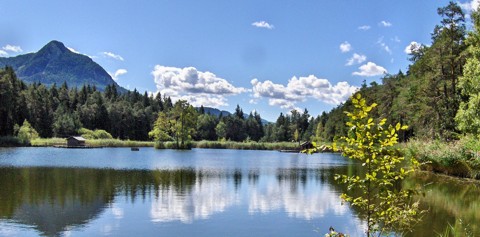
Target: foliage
[(26, 133), (177, 124), (9, 141), (468, 115), (65, 123), (459, 229), (429, 94), (457, 158), (221, 130), (333, 233), (388, 207), (97, 134)]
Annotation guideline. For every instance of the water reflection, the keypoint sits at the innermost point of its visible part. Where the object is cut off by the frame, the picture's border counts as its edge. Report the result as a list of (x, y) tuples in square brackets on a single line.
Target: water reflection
[(448, 201), (54, 200), (301, 193)]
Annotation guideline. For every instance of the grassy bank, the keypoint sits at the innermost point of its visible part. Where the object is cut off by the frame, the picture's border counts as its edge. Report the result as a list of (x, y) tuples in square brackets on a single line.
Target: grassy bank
[(171, 145), (246, 145), (234, 145), (93, 142), (457, 158)]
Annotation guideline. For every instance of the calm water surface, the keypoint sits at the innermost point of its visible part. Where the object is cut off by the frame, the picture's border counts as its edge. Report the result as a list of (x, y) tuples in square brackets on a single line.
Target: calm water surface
[(202, 192)]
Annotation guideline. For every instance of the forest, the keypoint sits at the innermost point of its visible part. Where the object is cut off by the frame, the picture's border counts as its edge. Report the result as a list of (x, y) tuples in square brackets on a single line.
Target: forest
[(60, 111), (438, 97)]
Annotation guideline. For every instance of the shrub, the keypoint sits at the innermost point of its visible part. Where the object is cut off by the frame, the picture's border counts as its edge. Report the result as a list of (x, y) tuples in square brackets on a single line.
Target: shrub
[(96, 134), (26, 133)]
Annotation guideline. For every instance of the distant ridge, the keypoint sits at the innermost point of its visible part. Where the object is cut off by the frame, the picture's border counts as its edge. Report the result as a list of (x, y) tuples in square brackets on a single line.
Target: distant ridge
[(217, 112), (214, 111), (55, 64)]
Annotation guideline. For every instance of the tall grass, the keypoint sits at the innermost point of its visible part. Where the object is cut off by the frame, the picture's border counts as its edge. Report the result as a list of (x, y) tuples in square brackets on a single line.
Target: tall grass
[(457, 158), (251, 145), (93, 142), (118, 143), (457, 230), (48, 141)]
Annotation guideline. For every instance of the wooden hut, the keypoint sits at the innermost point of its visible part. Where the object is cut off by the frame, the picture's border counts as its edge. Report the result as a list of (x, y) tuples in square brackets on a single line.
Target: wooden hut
[(75, 141)]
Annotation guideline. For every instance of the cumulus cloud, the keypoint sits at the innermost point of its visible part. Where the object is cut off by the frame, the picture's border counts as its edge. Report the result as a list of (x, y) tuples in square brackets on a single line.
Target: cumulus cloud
[(356, 59), (4, 52), (263, 24), (385, 24), (299, 89), (470, 5), (115, 76), (369, 70), (345, 47), (12, 48), (198, 88), (112, 55), (364, 27), (412, 47)]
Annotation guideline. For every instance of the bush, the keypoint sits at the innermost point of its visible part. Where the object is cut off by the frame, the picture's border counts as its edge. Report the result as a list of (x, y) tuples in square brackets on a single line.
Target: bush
[(26, 133), (9, 141), (96, 134)]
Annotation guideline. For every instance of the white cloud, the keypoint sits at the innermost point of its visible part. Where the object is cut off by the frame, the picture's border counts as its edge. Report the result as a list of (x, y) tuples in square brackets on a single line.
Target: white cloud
[(412, 47), (364, 27), (112, 55), (198, 88), (300, 89), (3, 53), (356, 59), (385, 24), (263, 24), (345, 47), (12, 48), (384, 46), (73, 50), (115, 76), (369, 70), (470, 5)]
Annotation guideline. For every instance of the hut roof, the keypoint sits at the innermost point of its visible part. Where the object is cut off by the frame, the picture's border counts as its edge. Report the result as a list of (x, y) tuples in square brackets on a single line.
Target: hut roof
[(76, 138)]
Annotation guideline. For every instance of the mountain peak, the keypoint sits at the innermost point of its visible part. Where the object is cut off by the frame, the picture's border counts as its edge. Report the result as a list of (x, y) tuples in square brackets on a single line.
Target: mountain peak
[(53, 48), (54, 64)]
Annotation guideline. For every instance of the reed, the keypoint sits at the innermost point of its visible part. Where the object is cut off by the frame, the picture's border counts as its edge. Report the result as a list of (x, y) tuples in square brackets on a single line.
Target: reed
[(48, 141), (93, 142), (118, 143), (457, 158), (251, 145)]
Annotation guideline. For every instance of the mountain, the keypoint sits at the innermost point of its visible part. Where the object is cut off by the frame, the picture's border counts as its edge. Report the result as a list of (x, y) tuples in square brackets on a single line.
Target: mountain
[(55, 63), (217, 112), (214, 111)]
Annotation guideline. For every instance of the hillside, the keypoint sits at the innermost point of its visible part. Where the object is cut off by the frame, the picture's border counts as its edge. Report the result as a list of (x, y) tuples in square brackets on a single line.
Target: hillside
[(55, 63)]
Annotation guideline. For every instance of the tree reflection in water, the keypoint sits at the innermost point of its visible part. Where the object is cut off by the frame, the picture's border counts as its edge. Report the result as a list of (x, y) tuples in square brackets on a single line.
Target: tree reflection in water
[(53, 200)]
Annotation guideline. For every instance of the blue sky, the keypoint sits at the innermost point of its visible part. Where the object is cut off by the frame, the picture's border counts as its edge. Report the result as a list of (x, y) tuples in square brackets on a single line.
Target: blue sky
[(270, 56)]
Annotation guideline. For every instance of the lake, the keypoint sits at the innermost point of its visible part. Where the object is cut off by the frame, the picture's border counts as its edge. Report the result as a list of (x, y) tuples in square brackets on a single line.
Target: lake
[(202, 192)]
